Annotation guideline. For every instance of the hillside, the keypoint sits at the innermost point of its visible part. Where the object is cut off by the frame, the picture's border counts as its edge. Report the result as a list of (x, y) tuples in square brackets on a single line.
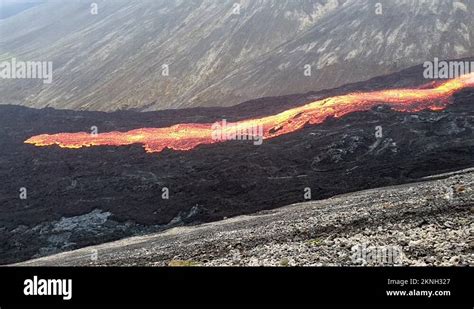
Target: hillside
[(81, 197), (218, 56)]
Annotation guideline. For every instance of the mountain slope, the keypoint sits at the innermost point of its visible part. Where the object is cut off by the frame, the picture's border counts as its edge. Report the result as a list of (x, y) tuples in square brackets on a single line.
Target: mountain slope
[(114, 60), (81, 197)]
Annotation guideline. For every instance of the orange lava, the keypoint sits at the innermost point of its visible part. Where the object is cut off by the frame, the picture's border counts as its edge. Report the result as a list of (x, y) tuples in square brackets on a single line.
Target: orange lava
[(189, 135)]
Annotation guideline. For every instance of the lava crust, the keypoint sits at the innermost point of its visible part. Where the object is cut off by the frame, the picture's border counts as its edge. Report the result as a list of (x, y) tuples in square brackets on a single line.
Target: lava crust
[(80, 197)]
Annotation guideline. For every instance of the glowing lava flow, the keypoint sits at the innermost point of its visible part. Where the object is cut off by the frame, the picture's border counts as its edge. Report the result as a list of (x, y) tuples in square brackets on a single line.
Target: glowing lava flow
[(188, 136)]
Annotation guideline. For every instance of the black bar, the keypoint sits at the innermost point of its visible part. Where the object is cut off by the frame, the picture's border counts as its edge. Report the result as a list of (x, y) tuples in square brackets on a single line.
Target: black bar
[(199, 285)]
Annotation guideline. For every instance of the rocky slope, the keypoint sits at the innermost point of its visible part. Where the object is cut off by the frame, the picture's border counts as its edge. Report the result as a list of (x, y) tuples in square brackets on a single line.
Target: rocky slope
[(219, 56), (430, 223), (81, 197)]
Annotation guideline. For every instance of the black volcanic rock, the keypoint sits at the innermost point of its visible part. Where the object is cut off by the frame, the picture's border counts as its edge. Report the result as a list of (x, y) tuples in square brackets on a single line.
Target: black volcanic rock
[(422, 223), (92, 195)]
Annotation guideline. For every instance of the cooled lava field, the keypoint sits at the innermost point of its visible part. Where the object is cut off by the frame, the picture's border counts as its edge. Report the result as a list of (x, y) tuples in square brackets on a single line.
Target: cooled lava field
[(80, 197)]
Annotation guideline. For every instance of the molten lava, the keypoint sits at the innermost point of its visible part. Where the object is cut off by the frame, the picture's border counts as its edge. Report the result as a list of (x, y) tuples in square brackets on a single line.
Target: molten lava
[(189, 135)]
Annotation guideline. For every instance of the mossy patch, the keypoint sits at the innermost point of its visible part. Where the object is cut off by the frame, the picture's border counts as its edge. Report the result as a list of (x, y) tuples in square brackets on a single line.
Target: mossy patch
[(181, 263), (315, 242), (284, 262)]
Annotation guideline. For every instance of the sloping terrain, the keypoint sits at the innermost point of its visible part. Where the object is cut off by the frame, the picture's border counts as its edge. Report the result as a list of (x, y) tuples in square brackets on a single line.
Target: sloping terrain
[(113, 60), (80, 197), (10, 8), (432, 222)]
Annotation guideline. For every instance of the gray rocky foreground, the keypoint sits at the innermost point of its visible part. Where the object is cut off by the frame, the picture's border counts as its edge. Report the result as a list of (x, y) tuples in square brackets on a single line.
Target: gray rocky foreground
[(425, 223)]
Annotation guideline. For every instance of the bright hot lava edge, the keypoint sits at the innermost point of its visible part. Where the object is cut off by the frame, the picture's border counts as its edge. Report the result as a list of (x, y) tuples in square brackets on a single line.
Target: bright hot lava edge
[(189, 135)]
